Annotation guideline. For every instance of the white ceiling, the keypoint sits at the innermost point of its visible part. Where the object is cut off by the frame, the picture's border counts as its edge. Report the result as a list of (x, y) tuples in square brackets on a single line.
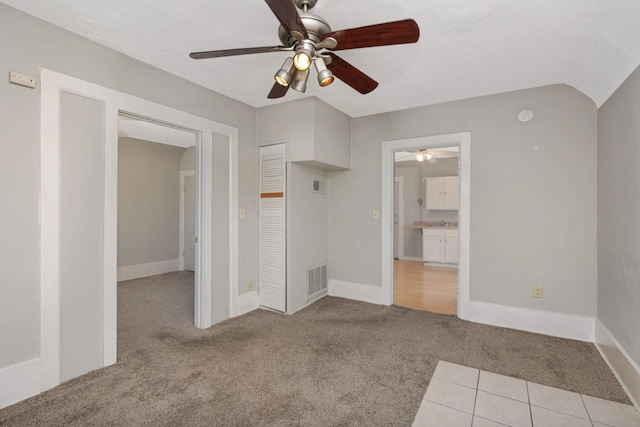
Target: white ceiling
[(467, 48)]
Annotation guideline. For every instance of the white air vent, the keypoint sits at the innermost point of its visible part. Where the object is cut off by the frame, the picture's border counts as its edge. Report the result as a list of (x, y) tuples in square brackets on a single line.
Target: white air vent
[(319, 186), (316, 281)]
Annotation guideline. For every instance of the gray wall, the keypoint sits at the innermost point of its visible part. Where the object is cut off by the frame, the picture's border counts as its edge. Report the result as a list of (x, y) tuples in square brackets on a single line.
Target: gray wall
[(332, 128), (148, 201), (414, 189), (619, 215), (316, 133), (220, 257), (290, 122), (188, 160), (54, 48), (533, 212), (307, 243)]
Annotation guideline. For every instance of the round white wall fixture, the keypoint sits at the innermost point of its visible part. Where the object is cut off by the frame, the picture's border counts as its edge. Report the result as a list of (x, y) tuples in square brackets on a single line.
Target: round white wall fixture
[(525, 116)]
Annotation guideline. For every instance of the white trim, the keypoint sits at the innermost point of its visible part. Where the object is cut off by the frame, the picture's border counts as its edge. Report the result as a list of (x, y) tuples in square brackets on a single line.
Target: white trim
[(131, 272), (463, 140), (439, 265), (49, 233), (183, 174), (234, 245), (204, 221), (357, 291), (622, 365), (52, 84), (19, 382), (247, 302), (411, 258), (400, 181), (542, 322), (110, 218)]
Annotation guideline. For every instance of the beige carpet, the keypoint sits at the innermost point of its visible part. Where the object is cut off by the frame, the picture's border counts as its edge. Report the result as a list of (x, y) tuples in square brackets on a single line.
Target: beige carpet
[(338, 362)]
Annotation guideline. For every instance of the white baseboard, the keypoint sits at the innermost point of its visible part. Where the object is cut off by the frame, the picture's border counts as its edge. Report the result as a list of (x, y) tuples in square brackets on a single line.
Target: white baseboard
[(439, 265), (19, 382), (356, 291), (624, 368), (562, 325), (247, 302), (410, 258), (131, 272)]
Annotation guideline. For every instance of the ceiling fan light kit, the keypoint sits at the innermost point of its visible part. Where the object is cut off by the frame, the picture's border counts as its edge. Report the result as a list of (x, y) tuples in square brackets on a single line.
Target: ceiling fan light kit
[(284, 76), (427, 155), (300, 80), (308, 35), (325, 77)]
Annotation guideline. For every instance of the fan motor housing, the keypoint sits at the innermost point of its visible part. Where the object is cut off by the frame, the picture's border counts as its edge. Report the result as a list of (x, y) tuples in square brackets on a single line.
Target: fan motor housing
[(315, 26), (305, 4)]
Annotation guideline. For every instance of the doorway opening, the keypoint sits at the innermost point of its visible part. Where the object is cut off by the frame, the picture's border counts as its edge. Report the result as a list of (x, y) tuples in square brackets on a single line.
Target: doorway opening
[(426, 204), (461, 140), (156, 233)]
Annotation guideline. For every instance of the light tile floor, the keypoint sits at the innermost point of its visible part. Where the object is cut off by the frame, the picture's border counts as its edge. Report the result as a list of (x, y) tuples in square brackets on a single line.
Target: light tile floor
[(459, 396)]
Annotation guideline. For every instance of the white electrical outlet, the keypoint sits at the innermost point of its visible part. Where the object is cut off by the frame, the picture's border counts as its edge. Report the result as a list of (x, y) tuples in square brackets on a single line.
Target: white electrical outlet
[(22, 79)]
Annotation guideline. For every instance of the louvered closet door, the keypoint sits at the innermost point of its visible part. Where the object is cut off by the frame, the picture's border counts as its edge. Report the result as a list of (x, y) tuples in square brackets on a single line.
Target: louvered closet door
[(273, 227)]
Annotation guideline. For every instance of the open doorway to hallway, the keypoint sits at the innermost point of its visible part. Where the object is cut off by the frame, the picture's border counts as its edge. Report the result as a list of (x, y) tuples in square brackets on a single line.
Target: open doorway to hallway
[(156, 256), (426, 204)]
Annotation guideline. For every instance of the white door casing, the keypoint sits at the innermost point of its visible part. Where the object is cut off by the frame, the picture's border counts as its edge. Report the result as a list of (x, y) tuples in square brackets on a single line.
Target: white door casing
[(52, 86), (188, 220), (395, 220), (398, 217)]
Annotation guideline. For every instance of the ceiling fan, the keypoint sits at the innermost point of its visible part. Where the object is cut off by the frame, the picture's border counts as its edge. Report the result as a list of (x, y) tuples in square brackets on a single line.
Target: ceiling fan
[(432, 156), (310, 39)]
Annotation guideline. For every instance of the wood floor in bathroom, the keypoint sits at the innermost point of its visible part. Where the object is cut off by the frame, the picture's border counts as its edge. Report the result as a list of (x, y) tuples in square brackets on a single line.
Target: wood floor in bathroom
[(425, 288)]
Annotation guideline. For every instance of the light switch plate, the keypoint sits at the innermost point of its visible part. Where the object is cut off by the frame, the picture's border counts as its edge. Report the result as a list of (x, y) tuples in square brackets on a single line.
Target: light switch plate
[(537, 291), (376, 214), (243, 214)]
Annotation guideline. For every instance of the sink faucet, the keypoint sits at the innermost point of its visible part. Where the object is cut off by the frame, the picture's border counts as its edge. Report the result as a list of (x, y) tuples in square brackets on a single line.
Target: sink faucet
[(443, 222)]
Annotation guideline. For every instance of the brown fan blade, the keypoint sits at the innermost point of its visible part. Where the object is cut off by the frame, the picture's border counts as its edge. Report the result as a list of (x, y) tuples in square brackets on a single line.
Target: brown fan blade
[(351, 75), (288, 16), (278, 91), (235, 52), (390, 33)]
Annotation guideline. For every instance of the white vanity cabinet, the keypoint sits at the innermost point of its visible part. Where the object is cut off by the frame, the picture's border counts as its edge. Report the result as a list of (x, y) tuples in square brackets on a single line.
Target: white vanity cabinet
[(443, 193), (440, 246)]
